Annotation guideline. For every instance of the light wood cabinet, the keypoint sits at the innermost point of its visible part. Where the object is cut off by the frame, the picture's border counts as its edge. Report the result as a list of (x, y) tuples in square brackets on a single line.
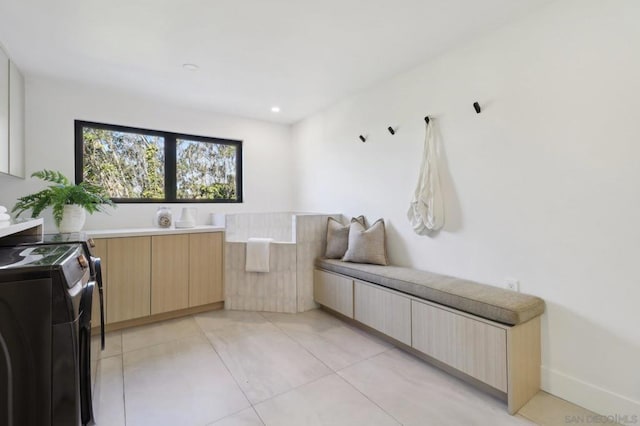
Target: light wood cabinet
[(100, 250), (205, 268), (11, 117), (503, 359), (333, 291), (169, 273), (129, 285), (386, 311), (4, 112), (524, 358), (16, 121), (474, 347), (158, 274)]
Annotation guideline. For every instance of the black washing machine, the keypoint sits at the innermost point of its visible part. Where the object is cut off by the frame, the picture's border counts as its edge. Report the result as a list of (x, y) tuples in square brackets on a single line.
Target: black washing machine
[(95, 265), (95, 275), (45, 320)]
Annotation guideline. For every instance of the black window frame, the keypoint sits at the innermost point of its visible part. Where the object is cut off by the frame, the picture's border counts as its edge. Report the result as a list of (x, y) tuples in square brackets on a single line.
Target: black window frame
[(170, 162)]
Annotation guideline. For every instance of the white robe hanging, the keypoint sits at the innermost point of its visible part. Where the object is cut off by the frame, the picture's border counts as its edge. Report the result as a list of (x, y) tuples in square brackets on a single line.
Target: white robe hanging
[(426, 210)]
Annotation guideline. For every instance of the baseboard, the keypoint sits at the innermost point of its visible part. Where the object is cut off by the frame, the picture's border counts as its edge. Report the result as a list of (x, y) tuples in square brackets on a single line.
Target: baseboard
[(157, 317), (590, 396)]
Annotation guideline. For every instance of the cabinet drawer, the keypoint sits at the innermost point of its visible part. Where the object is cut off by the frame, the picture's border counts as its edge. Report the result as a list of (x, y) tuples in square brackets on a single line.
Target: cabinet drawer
[(387, 312), (333, 291), (473, 347)]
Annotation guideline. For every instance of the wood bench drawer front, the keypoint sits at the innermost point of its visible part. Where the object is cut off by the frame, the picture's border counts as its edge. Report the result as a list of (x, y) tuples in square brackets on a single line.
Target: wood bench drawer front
[(473, 347), (387, 312), (333, 291)]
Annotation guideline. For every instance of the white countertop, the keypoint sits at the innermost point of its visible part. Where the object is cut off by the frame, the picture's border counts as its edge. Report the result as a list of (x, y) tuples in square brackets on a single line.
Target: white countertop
[(139, 232), (272, 242), (22, 226)]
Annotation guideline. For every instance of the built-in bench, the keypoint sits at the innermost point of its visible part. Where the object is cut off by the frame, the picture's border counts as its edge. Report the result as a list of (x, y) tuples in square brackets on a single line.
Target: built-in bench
[(484, 334)]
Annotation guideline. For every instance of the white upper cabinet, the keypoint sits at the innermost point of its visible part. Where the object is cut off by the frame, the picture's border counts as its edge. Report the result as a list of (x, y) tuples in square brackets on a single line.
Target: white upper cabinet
[(4, 112), (16, 121), (12, 102)]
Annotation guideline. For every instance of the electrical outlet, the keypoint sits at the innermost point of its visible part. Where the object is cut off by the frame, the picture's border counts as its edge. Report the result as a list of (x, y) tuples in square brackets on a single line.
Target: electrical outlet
[(512, 284)]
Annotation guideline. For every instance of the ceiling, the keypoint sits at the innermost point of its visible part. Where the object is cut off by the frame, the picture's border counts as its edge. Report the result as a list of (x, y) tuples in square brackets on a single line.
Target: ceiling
[(252, 54)]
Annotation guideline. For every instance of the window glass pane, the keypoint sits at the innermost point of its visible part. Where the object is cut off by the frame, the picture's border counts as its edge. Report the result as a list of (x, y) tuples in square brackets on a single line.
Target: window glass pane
[(205, 170), (127, 165)]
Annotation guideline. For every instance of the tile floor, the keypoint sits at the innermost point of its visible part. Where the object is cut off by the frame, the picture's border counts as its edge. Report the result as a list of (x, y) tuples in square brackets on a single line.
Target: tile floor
[(249, 368)]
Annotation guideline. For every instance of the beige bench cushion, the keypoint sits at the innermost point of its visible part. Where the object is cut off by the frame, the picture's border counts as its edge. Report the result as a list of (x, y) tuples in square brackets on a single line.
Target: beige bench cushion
[(486, 301)]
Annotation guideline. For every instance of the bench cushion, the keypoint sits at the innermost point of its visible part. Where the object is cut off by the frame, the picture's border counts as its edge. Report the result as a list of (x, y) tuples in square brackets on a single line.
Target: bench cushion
[(486, 301)]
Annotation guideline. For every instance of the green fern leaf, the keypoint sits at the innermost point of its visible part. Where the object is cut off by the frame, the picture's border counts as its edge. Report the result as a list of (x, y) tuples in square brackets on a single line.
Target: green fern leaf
[(51, 176), (92, 198)]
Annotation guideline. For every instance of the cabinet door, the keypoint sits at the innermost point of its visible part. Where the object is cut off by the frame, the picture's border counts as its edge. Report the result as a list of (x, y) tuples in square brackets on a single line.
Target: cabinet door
[(473, 347), (205, 268), (169, 273), (129, 271), (333, 291), (16, 121), (387, 312), (100, 250), (4, 112)]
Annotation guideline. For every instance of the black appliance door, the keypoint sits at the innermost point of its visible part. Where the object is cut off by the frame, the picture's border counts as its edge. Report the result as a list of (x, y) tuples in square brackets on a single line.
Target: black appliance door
[(25, 353), (84, 345)]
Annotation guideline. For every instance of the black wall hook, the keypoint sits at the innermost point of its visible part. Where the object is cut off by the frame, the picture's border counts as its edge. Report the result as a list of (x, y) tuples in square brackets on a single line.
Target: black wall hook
[(476, 106), (362, 138), (426, 119), (391, 130)]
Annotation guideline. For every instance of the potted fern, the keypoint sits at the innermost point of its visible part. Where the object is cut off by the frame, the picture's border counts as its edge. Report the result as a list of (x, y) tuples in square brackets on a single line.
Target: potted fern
[(69, 202)]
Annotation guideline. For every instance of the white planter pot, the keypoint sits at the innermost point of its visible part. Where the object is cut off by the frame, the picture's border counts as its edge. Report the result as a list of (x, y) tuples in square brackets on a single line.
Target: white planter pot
[(72, 219)]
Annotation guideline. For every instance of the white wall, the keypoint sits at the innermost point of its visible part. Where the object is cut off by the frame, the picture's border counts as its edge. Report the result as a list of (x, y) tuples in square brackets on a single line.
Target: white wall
[(542, 186), (52, 107)]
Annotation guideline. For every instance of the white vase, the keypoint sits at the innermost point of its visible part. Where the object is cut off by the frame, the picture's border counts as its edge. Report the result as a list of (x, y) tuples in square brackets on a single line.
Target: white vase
[(73, 219), (187, 218)]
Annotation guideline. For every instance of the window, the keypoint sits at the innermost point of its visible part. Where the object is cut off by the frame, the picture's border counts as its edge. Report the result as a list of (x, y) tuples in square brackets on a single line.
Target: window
[(137, 165)]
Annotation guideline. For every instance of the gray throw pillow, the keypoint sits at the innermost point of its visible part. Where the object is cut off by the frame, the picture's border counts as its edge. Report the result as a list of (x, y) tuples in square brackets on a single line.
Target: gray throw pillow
[(338, 237), (366, 245)]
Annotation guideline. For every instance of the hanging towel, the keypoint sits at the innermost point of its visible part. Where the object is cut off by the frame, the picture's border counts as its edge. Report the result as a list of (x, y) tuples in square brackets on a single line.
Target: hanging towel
[(426, 210), (257, 257)]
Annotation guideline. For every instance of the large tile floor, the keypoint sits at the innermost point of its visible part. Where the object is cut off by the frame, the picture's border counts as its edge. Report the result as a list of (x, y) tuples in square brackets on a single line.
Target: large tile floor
[(249, 368)]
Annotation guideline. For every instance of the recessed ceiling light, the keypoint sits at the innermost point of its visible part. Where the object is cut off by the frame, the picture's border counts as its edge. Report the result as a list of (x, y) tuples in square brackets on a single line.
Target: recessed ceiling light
[(190, 67), (275, 109)]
